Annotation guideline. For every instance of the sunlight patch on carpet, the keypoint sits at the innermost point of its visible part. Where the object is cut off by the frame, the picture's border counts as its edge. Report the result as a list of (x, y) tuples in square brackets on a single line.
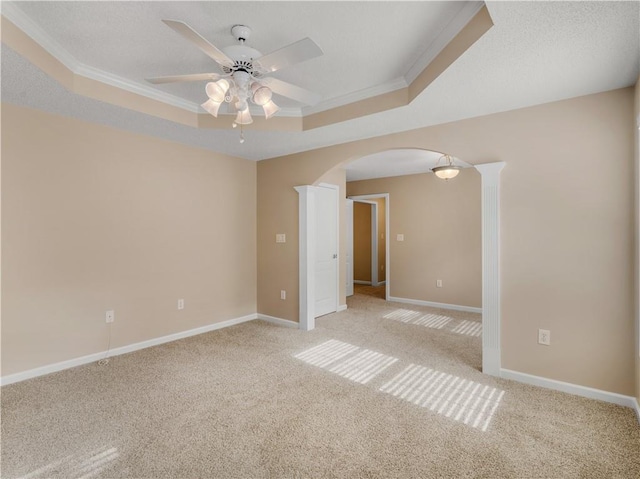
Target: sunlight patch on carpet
[(76, 467), (436, 321), (346, 360), (470, 328), (462, 400)]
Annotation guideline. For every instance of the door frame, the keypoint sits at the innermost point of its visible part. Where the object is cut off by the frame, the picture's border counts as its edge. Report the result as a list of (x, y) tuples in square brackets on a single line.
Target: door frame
[(307, 253), (374, 241), (349, 249), (387, 261)]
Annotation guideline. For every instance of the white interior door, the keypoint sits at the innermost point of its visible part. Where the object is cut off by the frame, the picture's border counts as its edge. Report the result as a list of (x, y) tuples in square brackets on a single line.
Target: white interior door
[(349, 247), (326, 258)]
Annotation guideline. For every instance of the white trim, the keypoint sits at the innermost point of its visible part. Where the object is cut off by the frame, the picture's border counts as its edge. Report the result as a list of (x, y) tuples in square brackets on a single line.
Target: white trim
[(455, 26), (636, 406), (570, 388), (349, 259), (374, 243), (490, 187), (70, 363), (342, 307), (279, 321), (353, 97), (306, 256), (358, 281), (336, 188), (432, 304), (387, 263)]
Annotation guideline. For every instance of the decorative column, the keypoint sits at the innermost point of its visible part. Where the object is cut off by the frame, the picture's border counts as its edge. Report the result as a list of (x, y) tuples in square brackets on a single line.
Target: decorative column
[(490, 173), (306, 255)]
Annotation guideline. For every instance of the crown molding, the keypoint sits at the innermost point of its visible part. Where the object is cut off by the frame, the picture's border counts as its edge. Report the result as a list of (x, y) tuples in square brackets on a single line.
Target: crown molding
[(16, 16), (448, 33), (349, 98)]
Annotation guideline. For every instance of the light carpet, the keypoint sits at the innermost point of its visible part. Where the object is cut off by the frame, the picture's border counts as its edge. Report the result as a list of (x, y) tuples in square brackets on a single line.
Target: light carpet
[(379, 390)]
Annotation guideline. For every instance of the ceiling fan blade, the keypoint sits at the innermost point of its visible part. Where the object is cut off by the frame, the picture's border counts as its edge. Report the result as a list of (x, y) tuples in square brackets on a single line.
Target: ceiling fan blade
[(297, 52), (187, 32), (291, 91), (182, 78)]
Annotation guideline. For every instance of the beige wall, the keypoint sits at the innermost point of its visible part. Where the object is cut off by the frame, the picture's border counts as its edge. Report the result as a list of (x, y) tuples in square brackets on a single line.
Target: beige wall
[(361, 241), (94, 219), (441, 224), (278, 213), (566, 228)]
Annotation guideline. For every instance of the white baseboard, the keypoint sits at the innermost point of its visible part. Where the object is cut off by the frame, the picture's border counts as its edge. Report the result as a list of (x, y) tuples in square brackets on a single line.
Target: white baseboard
[(71, 363), (279, 321), (357, 281), (637, 408), (342, 307), (570, 388), (433, 304)]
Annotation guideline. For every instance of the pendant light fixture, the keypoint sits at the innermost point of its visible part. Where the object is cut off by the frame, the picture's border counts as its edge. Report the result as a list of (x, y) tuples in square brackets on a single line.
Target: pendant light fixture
[(448, 170)]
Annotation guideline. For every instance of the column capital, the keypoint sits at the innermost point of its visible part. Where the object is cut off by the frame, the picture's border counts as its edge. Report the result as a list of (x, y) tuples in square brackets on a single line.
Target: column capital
[(490, 172)]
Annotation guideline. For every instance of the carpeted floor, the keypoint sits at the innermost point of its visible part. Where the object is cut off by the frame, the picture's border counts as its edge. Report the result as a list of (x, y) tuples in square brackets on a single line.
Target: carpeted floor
[(379, 390), (368, 290)]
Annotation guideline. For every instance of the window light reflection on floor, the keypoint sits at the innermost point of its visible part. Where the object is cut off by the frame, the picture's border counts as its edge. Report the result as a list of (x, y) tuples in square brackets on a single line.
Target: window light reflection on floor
[(460, 399), (437, 321), (73, 466), (470, 328), (346, 360)]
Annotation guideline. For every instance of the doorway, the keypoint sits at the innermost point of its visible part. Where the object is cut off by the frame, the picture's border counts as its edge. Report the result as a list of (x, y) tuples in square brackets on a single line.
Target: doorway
[(368, 245)]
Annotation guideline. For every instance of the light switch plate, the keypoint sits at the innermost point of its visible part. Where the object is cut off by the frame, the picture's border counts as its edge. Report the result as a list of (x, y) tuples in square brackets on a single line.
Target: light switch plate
[(544, 337)]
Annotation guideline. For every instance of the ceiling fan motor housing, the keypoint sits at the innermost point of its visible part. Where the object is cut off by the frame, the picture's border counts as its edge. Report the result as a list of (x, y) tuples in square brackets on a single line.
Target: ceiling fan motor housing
[(241, 54)]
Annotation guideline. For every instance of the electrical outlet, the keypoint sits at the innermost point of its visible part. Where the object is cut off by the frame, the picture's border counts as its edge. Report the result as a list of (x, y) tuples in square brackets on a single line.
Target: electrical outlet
[(400, 237), (181, 304), (110, 316), (544, 337), (283, 294), (281, 238), (438, 283)]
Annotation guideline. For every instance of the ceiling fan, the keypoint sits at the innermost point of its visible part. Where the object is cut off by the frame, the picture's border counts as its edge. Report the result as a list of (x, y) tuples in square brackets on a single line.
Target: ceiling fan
[(245, 73)]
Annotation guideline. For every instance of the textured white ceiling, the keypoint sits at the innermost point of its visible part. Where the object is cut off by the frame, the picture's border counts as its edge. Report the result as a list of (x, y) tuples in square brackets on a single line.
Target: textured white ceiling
[(537, 52), (365, 44)]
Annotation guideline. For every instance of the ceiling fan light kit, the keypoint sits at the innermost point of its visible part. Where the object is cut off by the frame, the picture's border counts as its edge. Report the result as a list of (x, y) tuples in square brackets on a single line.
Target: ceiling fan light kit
[(245, 74)]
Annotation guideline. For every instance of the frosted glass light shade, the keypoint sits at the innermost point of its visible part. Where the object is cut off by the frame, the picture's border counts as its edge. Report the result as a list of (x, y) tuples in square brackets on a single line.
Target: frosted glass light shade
[(212, 107), (446, 172), (270, 109), (244, 117), (262, 96), (217, 90)]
